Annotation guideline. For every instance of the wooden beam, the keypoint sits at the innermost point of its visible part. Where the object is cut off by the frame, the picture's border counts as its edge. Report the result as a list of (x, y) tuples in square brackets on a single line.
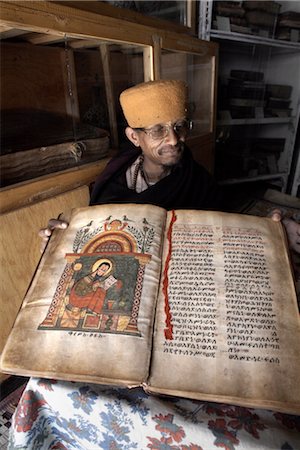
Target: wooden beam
[(41, 38), (127, 14), (156, 42), (174, 42), (7, 32), (4, 28), (191, 16), (70, 84), (51, 18), (94, 43), (29, 192), (59, 18), (86, 43), (110, 98), (148, 64)]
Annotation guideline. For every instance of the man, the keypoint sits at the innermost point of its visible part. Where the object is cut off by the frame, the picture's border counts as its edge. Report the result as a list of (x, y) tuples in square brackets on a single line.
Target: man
[(159, 169)]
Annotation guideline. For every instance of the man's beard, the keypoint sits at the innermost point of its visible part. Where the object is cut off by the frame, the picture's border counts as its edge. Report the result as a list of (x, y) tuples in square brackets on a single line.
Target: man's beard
[(170, 165)]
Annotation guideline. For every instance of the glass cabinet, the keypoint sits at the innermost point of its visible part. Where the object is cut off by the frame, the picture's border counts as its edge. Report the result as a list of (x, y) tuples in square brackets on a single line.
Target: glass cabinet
[(258, 106), (62, 70)]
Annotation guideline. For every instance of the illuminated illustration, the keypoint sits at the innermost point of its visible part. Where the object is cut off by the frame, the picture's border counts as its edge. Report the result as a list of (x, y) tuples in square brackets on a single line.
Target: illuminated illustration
[(101, 285)]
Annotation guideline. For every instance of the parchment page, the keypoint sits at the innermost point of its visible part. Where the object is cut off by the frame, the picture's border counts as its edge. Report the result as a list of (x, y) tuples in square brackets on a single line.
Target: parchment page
[(227, 326), (89, 312)]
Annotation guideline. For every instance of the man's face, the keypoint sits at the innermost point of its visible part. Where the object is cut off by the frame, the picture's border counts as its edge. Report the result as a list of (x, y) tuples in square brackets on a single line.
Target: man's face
[(165, 151), (102, 269)]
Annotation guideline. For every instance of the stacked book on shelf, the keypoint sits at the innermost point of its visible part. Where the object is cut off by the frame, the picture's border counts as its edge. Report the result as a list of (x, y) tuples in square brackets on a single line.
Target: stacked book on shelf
[(288, 26), (248, 17), (278, 99), (246, 95), (247, 157), (235, 13), (262, 18)]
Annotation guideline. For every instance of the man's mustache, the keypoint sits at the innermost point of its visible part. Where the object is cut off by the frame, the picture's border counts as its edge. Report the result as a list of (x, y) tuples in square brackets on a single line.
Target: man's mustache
[(170, 148)]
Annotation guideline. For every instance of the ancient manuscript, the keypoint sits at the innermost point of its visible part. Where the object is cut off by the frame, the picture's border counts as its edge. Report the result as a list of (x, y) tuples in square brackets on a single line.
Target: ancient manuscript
[(189, 303)]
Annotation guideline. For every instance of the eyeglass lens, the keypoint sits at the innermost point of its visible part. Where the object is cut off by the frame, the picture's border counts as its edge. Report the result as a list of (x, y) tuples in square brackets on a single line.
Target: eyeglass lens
[(181, 129)]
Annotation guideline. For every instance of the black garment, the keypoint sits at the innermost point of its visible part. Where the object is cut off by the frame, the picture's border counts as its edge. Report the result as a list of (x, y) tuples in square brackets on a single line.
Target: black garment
[(189, 186)]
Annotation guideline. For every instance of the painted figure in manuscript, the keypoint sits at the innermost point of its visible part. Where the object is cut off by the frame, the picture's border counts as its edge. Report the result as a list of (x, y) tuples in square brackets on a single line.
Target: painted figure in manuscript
[(91, 291)]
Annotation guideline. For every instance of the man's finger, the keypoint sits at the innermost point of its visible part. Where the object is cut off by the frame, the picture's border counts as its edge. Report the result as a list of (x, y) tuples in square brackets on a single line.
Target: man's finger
[(276, 215), (55, 223), (45, 233)]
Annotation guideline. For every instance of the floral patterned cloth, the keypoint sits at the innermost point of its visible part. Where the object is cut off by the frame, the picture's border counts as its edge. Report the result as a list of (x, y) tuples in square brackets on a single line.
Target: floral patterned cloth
[(64, 415)]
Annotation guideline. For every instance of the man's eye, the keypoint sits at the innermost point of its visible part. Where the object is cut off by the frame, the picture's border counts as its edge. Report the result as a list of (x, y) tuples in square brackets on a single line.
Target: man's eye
[(157, 130), (181, 125)]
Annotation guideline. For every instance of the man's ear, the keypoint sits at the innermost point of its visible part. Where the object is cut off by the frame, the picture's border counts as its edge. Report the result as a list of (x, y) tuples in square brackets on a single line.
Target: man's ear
[(133, 136)]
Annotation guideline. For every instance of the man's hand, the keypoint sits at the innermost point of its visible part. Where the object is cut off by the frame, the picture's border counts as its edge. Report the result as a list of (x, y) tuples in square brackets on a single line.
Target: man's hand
[(292, 229), (45, 233)]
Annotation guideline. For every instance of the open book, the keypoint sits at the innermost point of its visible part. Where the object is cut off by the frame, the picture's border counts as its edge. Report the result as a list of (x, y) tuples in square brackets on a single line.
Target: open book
[(190, 303)]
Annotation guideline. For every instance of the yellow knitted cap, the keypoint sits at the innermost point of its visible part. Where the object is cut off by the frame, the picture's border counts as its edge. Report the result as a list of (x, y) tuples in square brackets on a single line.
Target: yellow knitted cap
[(154, 102)]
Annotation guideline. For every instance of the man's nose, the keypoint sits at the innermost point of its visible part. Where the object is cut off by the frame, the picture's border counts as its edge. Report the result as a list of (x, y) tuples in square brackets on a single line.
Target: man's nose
[(172, 137)]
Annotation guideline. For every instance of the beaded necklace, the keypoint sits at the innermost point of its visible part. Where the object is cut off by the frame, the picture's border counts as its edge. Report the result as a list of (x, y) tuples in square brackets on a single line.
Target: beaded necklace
[(139, 169), (137, 178)]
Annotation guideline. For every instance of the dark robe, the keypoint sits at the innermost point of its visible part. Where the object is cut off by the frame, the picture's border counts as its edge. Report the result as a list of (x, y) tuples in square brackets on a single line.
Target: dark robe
[(188, 186)]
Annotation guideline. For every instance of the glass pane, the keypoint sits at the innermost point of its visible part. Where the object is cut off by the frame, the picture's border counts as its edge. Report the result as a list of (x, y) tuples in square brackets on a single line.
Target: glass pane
[(174, 11), (196, 71), (102, 73), (34, 110), (60, 102)]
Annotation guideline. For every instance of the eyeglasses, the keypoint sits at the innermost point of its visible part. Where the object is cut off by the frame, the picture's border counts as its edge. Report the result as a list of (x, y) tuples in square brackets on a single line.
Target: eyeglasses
[(160, 132)]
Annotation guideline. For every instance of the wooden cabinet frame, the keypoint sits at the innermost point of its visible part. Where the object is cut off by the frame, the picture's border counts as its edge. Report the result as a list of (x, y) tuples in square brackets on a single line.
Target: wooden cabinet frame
[(52, 21)]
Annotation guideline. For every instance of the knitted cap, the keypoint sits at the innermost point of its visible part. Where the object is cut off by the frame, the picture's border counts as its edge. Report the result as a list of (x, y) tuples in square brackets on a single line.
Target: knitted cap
[(154, 102)]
